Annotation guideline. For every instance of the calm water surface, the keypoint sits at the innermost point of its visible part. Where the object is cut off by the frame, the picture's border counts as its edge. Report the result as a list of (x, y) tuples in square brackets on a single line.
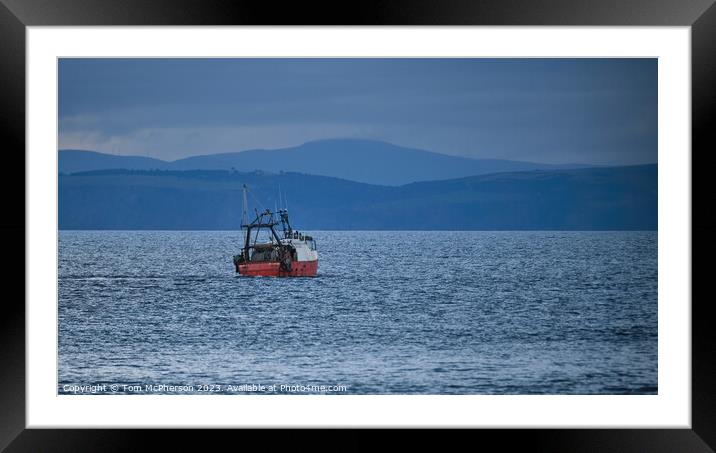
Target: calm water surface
[(390, 312)]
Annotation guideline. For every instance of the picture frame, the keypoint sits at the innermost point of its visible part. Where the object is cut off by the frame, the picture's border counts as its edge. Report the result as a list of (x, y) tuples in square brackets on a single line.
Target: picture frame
[(15, 16)]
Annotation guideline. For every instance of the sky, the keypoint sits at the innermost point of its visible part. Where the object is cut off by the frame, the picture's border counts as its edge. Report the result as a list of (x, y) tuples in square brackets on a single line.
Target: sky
[(592, 111)]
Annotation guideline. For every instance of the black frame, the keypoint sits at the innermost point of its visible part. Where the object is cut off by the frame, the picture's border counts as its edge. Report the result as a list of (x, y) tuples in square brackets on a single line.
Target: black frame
[(15, 15)]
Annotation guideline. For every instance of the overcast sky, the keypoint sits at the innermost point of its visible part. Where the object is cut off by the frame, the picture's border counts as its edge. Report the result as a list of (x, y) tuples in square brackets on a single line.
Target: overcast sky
[(601, 111)]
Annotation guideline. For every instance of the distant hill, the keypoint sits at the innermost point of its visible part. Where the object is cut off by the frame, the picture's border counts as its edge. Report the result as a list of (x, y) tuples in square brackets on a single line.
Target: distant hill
[(615, 198), (75, 160), (368, 161)]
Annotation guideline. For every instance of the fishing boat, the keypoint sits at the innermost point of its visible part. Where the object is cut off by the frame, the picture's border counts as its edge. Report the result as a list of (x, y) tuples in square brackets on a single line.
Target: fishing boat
[(293, 255)]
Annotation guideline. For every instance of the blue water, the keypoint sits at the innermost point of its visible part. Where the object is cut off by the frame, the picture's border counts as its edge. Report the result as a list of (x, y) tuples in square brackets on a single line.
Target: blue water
[(390, 312)]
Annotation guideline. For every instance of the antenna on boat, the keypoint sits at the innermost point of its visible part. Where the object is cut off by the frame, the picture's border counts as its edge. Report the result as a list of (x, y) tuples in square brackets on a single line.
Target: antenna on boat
[(244, 217)]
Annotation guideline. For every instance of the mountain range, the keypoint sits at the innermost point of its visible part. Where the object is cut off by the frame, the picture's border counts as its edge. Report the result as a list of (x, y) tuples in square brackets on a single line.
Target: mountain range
[(367, 161), (602, 198)]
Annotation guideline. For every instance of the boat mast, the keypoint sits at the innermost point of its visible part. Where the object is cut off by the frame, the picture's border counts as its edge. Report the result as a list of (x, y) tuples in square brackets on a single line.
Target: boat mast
[(244, 217), (245, 224)]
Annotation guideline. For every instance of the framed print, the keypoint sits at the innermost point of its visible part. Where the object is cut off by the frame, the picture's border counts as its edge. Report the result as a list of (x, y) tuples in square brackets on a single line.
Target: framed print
[(489, 223)]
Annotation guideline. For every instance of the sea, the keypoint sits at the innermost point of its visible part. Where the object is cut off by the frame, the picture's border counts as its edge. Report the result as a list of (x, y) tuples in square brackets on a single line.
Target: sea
[(390, 312)]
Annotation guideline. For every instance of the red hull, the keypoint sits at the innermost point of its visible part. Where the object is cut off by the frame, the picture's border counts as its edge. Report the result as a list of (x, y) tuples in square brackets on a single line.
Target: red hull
[(273, 269)]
